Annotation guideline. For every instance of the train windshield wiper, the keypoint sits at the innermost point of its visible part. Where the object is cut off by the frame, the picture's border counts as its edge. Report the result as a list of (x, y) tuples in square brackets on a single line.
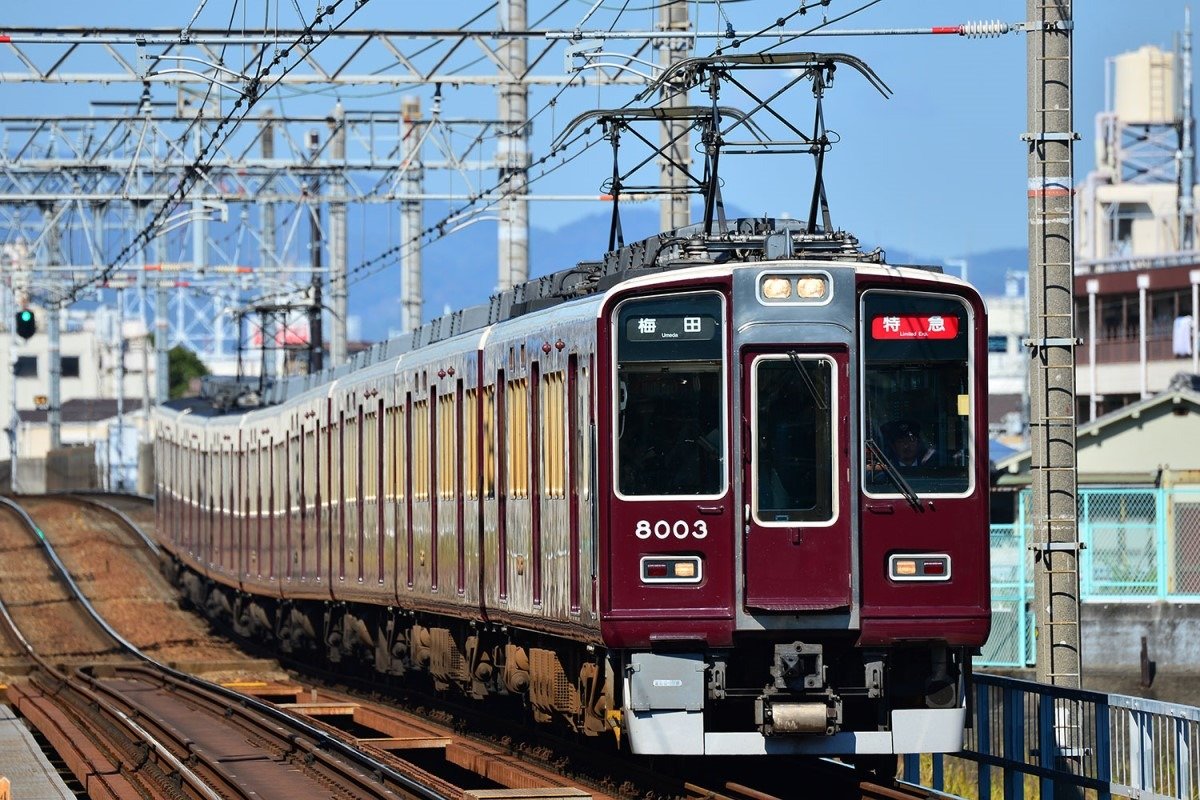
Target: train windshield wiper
[(818, 400), (893, 473)]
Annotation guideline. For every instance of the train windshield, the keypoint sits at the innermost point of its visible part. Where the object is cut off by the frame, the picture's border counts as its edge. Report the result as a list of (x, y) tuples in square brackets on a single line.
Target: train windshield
[(670, 373), (917, 394)]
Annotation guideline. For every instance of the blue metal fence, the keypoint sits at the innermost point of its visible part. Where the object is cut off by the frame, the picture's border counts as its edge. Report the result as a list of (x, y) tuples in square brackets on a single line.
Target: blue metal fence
[(1139, 545), (1073, 739)]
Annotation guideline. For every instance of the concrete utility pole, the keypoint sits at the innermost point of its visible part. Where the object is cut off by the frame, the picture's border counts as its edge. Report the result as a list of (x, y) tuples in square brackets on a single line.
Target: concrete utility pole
[(1187, 151), (162, 348), (674, 211), (339, 304), (316, 337), (412, 184), (266, 257), (1054, 533), (54, 411), (15, 418), (53, 331), (119, 345), (512, 149)]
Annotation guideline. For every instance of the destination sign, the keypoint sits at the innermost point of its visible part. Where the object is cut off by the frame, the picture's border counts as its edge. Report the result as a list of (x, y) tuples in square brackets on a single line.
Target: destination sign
[(669, 328), (914, 326)]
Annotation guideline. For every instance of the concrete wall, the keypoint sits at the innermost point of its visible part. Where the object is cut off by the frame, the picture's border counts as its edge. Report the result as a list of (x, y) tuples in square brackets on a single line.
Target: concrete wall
[(1112, 635), (145, 479), (71, 469)]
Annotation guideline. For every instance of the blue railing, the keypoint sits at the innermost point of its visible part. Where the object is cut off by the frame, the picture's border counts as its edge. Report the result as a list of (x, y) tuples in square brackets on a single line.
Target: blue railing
[(1064, 740)]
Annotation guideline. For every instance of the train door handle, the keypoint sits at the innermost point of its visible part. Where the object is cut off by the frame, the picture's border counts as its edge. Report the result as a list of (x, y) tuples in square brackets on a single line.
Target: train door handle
[(711, 510), (881, 508)]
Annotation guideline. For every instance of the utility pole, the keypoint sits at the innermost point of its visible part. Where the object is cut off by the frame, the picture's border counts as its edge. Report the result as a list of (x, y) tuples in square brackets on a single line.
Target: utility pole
[(119, 449), (14, 418), (1054, 532), (412, 183), (512, 148), (54, 412), (1187, 151), (674, 212), (340, 309), (162, 357), (316, 344), (53, 332), (266, 257)]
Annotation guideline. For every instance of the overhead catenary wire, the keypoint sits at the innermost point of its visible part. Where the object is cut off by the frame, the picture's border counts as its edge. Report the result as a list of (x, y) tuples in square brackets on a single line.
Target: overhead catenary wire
[(253, 93), (479, 202), (438, 230)]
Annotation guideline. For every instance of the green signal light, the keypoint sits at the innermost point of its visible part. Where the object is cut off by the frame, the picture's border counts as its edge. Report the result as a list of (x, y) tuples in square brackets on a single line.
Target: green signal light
[(26, 315)]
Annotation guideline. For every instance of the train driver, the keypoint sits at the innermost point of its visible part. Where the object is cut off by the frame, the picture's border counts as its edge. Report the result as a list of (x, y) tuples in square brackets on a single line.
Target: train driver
[(907, 447)]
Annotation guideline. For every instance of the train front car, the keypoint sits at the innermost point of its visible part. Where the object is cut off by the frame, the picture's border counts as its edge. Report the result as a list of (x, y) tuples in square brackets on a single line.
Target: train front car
[(794, 531)]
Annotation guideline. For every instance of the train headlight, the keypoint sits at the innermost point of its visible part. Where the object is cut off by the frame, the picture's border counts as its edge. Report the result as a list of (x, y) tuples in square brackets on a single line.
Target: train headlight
[(776, 288), (811, 287), (798, 287)]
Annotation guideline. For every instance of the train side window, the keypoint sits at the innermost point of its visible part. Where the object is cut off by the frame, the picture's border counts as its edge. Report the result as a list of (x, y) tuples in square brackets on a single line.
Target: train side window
[(517, 399), (420, 446), (670, 418), (403, 452), (489, 441), (553, 407), (470, 452), (446, 446)]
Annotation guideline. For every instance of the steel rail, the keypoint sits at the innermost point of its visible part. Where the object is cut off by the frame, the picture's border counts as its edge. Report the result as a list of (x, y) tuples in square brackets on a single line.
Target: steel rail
[(322, 741)]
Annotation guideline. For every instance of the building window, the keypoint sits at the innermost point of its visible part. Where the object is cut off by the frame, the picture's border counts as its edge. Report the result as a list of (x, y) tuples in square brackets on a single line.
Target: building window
[(26, 367), (70, 366), (997, 344)]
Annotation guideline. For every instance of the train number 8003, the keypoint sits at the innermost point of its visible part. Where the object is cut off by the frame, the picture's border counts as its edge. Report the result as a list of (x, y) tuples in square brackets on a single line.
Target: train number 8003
[(663, 529)]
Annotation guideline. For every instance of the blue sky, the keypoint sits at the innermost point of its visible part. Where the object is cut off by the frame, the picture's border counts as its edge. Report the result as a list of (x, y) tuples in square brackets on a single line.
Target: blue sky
[(938, 170)]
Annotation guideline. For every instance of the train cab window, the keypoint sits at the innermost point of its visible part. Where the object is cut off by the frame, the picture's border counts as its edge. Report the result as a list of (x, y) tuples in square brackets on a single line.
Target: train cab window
[(670, 426), (917, 394), (794, 452)]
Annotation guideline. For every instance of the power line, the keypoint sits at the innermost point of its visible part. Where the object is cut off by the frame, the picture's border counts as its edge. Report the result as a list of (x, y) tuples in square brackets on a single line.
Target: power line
[(254, 91)]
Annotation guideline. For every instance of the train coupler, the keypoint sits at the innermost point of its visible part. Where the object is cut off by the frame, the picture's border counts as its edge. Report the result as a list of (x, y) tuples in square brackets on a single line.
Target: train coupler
[(776, 717)]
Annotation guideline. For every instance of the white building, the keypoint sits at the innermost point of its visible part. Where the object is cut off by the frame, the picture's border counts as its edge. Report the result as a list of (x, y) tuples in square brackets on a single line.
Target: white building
[(1137, 269), (91, 362), (1008, 364)]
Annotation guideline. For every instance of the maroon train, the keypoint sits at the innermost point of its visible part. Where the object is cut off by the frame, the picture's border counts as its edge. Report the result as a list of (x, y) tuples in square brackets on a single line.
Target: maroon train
[(719, 494)]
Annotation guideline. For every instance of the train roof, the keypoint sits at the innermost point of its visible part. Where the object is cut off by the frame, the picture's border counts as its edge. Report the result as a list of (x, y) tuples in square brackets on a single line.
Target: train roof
[(741, 240)]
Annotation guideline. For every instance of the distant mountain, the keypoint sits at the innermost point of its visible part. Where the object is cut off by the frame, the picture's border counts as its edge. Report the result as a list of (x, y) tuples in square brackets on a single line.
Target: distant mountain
[(460, 270), (987, 271)]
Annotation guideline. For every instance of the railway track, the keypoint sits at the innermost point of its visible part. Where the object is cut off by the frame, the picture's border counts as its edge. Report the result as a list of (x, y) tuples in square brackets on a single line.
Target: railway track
[(94, 685), (125, 710)]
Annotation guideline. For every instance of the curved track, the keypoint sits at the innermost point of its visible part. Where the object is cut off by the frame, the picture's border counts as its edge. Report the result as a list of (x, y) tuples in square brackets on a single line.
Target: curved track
[(149, 730), (215, 733)]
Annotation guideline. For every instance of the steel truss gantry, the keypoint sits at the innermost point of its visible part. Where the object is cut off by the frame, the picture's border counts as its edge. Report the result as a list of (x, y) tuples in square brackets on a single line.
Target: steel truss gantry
[(74, 189), (360, 57)]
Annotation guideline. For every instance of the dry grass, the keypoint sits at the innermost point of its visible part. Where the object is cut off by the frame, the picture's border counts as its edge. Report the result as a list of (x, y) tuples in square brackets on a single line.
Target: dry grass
[(960, 778)]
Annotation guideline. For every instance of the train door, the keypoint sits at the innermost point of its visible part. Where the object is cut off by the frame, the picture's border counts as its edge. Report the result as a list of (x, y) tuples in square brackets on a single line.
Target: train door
[(797, 541)]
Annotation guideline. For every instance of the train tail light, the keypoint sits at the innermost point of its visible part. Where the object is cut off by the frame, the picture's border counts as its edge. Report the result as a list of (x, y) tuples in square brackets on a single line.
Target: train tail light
[(919, 567), (671, 569)]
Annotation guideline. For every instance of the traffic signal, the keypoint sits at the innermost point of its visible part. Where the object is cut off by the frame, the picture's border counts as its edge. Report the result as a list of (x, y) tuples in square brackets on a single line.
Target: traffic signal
[(26, 323)]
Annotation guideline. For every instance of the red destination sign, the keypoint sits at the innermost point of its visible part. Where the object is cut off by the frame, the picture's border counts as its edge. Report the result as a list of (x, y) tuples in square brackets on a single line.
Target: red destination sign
[(914, 326)]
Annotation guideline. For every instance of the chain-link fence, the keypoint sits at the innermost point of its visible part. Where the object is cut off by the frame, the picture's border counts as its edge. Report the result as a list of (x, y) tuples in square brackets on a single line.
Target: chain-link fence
[(1139, 545)]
